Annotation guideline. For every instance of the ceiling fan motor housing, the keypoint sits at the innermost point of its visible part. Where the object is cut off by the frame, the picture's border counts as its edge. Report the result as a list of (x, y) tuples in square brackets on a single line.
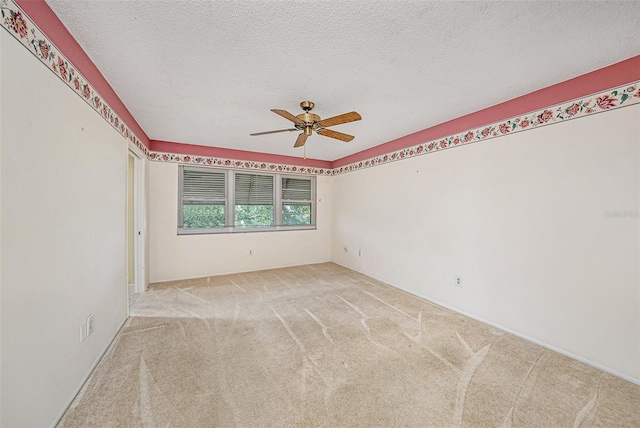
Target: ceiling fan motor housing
[(308, 118)]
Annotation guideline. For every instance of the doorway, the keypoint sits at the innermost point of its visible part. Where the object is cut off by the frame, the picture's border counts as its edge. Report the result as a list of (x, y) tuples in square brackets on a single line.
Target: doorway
[(135, 226)]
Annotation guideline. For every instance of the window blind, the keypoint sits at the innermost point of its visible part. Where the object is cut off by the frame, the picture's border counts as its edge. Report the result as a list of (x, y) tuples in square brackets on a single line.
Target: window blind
[(203, 187), (296, 189), (253, 189)]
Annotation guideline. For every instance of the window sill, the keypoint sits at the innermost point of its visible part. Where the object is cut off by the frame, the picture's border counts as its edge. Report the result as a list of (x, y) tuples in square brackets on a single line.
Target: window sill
[(243, 230)]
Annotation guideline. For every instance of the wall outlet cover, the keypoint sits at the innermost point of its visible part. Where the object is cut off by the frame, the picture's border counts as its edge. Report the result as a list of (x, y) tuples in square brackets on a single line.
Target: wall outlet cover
[(90, 324)]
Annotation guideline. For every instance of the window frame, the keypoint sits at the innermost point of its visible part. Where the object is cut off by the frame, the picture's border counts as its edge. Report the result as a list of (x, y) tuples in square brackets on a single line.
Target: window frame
[(282, 201), (232, 176), (181, 195), (229, 202)]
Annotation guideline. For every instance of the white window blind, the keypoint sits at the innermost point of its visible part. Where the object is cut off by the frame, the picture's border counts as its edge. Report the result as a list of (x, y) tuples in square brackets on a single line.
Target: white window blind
[(203, 187), (296, 189), (253, 189)]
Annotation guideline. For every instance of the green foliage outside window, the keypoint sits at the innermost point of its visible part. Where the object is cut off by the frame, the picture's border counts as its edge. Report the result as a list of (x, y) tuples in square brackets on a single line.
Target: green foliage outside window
[(295, 214), (201, 216), (254, 215)]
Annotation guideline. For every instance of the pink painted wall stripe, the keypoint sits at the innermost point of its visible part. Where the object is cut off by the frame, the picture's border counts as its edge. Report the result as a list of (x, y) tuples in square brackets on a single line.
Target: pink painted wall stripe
[(190, 149), (618, 74), (42, 15)]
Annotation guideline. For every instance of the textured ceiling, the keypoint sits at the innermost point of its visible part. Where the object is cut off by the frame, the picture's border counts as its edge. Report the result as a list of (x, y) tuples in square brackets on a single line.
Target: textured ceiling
[(207, 73)]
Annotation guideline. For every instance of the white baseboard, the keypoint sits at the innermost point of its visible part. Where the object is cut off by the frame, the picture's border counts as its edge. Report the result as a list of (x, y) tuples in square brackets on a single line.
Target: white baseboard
[(233, 272), (508, 330), (88, 376)]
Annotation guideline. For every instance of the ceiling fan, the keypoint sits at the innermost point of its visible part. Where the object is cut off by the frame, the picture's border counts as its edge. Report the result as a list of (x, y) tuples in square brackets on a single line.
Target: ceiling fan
[(308, 122)]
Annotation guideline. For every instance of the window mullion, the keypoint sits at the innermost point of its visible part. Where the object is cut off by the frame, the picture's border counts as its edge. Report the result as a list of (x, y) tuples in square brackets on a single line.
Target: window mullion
[(180, 196), (231, 199), (277, 200), (314, 200)]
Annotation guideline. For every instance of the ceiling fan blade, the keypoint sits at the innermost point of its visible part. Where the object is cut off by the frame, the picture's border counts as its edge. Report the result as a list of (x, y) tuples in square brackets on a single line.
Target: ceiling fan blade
[(288, 116), (273, 132), (302, 138), (334, 134), (343, 118)]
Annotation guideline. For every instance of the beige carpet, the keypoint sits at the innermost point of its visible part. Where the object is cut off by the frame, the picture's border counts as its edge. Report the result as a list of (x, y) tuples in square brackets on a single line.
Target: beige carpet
[(323, 346)]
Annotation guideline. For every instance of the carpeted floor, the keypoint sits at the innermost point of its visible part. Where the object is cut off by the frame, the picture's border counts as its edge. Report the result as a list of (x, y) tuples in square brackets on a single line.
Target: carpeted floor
[(323, 346)]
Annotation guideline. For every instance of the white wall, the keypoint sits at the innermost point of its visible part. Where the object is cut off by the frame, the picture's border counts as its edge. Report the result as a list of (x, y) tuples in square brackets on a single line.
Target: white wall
[(522, 219), (1, 39), (63, 193), (176, 256)]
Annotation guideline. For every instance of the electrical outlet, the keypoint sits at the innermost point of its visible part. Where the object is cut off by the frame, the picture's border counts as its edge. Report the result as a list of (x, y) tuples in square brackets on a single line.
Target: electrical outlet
[(345, 249), (90, 324), (83, 332), (251, 252), (458, 281)]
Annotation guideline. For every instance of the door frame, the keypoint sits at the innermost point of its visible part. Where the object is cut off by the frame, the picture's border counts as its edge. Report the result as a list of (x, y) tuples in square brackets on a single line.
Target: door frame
[(139, 216)]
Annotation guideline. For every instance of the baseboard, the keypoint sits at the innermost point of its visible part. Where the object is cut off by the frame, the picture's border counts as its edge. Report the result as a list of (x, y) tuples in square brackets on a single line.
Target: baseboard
[(160, 281), (508, 330), (91, 370)]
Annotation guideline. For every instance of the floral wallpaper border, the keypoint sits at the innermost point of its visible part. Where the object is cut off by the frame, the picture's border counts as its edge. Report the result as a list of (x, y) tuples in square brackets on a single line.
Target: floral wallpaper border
[(235, 163), (605, 101), (23, 29)]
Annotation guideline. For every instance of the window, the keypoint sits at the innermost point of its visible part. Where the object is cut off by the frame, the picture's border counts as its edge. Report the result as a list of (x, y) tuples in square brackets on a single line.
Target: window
[(253, 200), (203, 199), (296, 201), (217, 201)]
